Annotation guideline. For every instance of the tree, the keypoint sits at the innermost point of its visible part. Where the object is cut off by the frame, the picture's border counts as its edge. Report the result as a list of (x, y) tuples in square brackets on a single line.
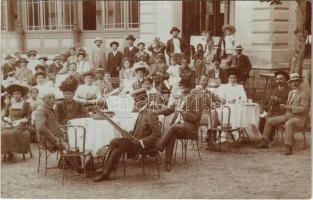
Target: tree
[(300, 33)]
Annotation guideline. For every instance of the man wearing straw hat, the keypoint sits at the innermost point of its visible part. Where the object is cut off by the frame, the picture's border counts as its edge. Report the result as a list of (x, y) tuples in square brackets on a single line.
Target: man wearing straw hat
[(295, 114), (97, 55)]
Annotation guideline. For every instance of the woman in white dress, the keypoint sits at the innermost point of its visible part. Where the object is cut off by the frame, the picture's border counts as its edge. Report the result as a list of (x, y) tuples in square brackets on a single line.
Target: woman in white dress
[(232, 92)]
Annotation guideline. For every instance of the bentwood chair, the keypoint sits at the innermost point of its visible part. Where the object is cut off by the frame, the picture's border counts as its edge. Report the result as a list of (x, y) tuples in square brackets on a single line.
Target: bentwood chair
[(225, 126), (280, 131), (181, 136), (73, 151), (43, 148)]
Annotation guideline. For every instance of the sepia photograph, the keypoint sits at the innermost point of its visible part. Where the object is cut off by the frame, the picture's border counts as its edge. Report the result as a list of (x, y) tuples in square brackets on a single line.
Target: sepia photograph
[(131, 99)]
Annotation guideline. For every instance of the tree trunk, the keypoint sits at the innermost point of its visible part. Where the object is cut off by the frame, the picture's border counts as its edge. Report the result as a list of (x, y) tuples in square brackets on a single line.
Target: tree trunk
[(301, 34)]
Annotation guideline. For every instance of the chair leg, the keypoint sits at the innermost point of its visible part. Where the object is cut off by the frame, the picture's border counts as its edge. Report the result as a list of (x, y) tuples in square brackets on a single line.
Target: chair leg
[(304, 143), (39, 156), (63, 170), (176, 144), (24, 156), (198, 149), (143, 164), (30, 152), (185, 149), (46, 155), (157, 163)]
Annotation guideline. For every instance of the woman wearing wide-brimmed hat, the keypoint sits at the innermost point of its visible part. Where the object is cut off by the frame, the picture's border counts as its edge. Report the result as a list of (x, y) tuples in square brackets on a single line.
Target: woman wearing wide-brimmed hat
[(15, 137)]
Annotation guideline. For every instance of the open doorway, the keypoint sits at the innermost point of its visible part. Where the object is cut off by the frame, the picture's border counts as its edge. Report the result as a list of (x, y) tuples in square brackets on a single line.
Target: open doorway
[(89, 15)]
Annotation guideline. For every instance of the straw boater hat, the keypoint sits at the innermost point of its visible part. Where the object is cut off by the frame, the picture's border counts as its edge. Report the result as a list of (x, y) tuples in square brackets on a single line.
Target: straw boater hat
[(8, 57), (229, 27), (131, 37), (141, 66), (81, 53), (114, 42), (70, 84), (238, 47), (17, 87), (295, 77), (43, 57), (98, 39), (174, 29), (31, 52), (280, 72)]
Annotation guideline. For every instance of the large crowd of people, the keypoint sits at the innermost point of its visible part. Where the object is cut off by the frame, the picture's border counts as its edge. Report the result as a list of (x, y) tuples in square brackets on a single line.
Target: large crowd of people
[(33, 96)]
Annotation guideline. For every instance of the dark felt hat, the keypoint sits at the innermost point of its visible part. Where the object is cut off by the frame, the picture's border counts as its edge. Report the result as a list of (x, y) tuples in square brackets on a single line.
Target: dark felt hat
[(17, 87), (69, 84), (31, 52), (114, 42), (174, 29), (285, 74), (89, 73), (40, 74), (131, 37), (39, 66)]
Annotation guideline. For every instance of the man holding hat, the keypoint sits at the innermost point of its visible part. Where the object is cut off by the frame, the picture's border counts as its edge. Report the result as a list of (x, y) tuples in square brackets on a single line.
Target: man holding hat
[(146, 133), (186, 116), (115, 59), (294, 117), (142, 55), (97, 55), (176, 45), (130, 50), (22, 72), (242, 63), (278, 95), (8, 66)]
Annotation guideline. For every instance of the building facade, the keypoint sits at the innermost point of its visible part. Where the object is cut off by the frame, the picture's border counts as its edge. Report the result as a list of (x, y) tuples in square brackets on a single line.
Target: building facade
[(50, 26)]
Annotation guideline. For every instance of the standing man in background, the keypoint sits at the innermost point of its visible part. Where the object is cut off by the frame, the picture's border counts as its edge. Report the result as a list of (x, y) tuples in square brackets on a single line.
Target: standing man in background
[(115, 59), (130, 50), (97, 55), (176, 45)]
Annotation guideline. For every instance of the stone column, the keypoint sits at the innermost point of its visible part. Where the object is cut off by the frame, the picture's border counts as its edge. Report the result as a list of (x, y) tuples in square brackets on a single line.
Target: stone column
[(76, 28), (158, 17), (20, 29)]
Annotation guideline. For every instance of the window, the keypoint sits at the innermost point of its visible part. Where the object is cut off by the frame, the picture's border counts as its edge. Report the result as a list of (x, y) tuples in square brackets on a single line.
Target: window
[(4, 15), (49, 14), (121, 14)]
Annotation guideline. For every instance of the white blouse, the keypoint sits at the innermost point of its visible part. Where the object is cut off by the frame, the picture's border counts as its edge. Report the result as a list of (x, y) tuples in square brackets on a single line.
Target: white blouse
[(232, 92)]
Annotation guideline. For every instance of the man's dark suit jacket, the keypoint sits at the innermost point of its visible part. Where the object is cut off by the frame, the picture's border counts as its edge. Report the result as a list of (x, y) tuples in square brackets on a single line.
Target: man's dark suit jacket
[(243, 64), (130, 54), (170, 46), (114, 63), (272, 105), (147, 128), (222, 75)]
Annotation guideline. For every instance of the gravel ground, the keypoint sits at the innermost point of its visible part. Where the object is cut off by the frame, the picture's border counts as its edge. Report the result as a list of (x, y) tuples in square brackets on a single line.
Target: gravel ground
[(237, 172)]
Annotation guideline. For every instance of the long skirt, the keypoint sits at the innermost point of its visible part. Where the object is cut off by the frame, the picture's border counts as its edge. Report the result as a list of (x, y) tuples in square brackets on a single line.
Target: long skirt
[(15, 140)]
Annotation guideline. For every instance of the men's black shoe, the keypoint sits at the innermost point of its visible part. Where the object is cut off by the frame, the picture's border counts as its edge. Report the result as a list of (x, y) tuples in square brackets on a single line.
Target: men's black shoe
[(100, 178), (288, 150), (263, 145), (168, 166)]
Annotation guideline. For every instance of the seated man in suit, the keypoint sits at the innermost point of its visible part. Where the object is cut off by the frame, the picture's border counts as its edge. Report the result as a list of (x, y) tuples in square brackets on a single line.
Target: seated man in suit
[(207, 99), (278, 95), (294, 117), (47, 122), (145, 135), (185, 119), (141, 71)]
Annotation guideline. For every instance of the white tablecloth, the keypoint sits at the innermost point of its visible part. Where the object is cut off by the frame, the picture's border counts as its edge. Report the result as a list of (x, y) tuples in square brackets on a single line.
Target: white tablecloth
[(242, 115), (98, 133)]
